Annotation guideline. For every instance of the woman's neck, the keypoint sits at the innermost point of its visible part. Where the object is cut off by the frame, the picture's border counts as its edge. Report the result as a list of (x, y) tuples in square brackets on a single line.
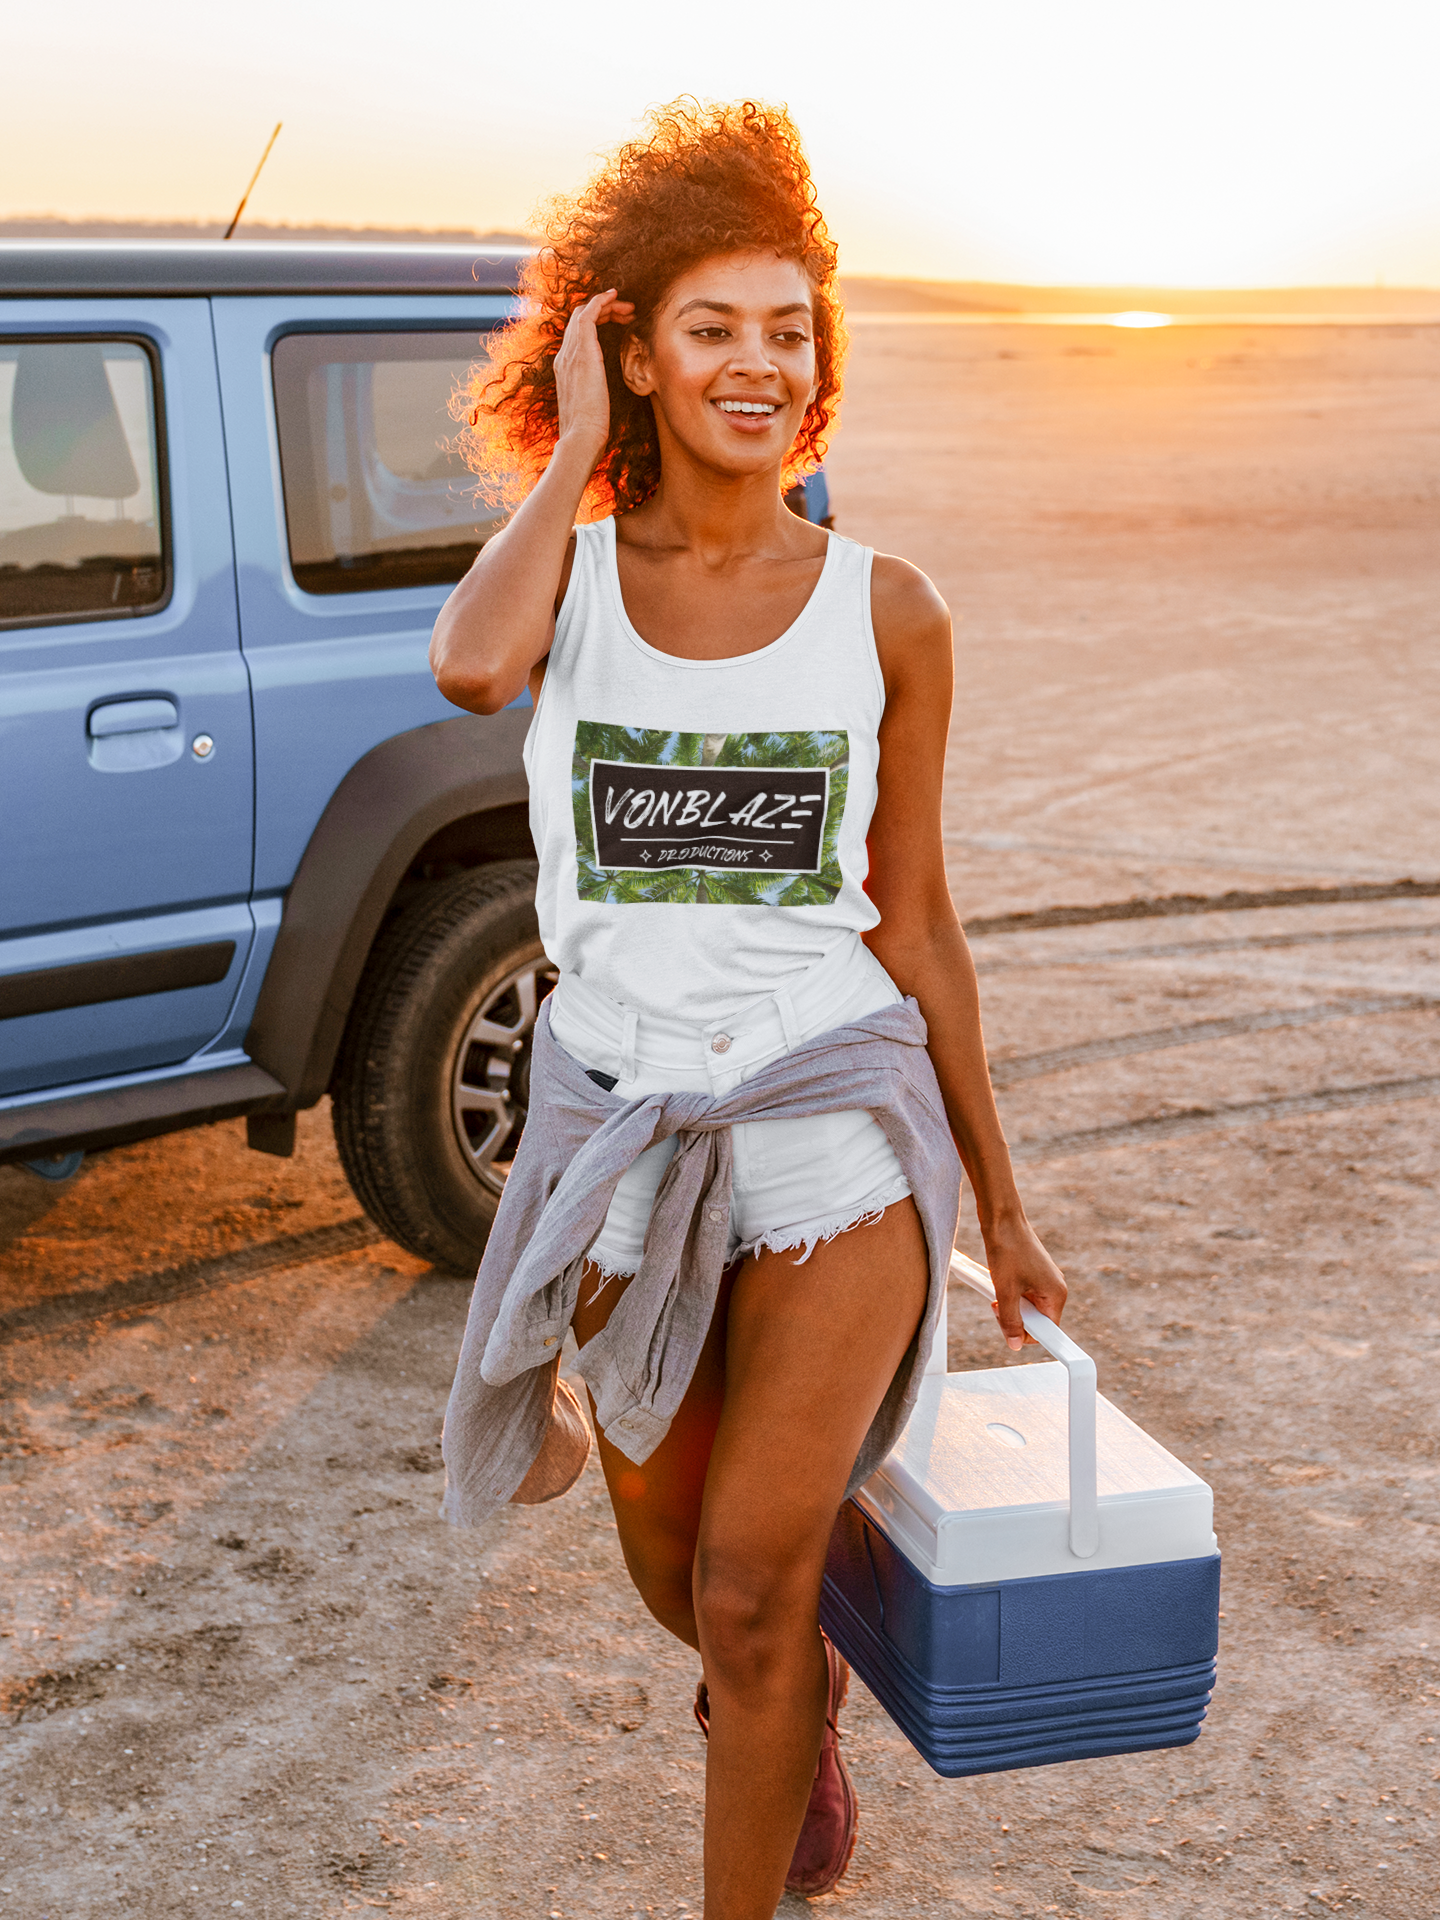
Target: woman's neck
[(718, 517)]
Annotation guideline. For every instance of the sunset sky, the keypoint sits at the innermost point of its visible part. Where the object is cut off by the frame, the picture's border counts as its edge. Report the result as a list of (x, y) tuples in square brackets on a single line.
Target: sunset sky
[(1230, 143)]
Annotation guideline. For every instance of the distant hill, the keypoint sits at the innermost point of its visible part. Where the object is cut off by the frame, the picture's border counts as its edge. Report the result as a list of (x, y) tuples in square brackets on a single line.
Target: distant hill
[(45, 226), (863, 294)]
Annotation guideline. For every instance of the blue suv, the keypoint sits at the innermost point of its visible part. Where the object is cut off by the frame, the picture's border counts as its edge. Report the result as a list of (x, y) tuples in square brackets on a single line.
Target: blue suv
[(248, 854)]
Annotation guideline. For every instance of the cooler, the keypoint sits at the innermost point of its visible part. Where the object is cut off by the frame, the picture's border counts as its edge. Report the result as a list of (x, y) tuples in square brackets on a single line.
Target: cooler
[(1028, 1577)]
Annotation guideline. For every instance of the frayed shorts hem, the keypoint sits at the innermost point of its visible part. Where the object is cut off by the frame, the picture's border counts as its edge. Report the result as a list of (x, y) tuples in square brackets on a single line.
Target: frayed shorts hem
[(813, 1233), (806, 1235)]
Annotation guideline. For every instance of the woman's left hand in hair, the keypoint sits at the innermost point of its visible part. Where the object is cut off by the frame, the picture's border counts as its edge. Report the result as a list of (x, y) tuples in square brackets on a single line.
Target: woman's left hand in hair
[(581, 392)]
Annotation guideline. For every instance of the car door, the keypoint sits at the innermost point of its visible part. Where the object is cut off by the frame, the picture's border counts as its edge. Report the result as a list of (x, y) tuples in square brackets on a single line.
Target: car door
[(126, 752)]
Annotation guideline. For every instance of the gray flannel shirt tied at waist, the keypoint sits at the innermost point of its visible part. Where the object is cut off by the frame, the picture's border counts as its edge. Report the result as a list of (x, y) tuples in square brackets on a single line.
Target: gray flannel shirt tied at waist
[(504, 1406)]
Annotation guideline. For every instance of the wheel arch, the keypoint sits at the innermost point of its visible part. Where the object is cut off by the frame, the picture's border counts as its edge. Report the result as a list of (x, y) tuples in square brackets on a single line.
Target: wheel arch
[(417, 807)]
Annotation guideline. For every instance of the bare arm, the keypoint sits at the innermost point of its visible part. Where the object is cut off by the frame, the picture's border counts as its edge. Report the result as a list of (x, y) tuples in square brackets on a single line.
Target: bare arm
[(920, 941), (499, 622)]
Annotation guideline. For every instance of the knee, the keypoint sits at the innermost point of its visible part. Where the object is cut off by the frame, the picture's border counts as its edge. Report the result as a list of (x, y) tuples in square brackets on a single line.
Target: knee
[(749, 1619)]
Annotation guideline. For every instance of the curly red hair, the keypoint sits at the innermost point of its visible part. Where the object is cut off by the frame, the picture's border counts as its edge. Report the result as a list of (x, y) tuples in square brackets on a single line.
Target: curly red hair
[(702, 180)]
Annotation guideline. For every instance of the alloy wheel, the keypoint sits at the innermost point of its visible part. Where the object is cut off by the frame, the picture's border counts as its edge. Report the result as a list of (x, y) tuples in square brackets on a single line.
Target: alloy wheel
[(490, 1076)]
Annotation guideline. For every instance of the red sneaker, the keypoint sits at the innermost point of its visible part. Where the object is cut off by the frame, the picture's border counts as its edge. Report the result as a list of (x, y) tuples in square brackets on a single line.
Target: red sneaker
[(827, 1837)]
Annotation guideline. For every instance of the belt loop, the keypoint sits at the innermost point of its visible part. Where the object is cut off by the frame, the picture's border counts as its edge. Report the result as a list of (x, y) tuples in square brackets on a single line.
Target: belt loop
[(789, 1025), (627, 1044)]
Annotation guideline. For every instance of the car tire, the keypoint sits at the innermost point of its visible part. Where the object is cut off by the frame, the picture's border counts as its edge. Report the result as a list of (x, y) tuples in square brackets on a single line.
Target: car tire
[(431, 1086)]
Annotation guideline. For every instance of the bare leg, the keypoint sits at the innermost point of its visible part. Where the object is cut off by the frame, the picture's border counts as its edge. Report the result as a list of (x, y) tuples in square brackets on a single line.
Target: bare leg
[(810, 1351), (725, 1527), (657, 1504)]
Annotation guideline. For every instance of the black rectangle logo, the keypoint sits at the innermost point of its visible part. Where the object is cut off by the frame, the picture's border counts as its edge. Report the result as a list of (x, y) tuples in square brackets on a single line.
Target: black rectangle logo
[(747, 819)]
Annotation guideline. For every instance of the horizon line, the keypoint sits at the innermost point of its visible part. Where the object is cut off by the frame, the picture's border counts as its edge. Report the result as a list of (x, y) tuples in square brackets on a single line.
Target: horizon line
[(20, 226)]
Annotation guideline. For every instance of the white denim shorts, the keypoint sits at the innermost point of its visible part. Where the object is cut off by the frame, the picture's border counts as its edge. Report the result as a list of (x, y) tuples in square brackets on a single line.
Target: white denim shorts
[(796, 1182)]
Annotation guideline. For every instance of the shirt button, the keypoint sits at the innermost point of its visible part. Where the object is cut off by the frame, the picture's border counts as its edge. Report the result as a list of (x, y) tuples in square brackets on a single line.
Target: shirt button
[(721, 1043), (716, 1213), (549, 1343)]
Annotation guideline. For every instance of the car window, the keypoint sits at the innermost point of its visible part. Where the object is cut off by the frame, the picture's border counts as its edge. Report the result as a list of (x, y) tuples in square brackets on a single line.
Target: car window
[(375, 494), (81, 531)]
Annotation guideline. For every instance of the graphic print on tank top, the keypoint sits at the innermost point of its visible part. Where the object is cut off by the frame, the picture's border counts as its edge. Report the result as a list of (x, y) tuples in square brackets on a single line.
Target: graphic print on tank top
[(708, 819)]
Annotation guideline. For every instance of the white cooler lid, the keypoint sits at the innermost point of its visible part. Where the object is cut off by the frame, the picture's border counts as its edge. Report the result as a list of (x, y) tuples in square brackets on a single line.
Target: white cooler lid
[(977, 1488)]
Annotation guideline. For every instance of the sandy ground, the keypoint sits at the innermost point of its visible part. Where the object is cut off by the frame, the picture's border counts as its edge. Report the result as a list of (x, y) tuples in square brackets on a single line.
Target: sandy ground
[(245, 1668)]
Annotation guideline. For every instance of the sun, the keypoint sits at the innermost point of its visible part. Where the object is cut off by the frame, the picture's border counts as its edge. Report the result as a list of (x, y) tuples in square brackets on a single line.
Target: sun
[(1138, 317)]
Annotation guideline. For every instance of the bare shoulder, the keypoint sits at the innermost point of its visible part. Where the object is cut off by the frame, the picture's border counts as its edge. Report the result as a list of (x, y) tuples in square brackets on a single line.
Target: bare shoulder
[(911, 620)]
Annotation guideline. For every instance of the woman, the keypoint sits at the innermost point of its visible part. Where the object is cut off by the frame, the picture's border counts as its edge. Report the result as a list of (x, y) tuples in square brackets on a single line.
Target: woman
[(735, 762)]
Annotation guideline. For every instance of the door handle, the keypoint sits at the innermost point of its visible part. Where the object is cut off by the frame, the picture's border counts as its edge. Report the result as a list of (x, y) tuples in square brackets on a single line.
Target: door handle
[(128, 736), (131, 716)]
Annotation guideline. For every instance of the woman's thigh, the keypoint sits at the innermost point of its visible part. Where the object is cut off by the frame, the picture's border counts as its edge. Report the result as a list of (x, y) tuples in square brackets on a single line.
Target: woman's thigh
[(810, 1351), (752, 1471), (657, 1502)]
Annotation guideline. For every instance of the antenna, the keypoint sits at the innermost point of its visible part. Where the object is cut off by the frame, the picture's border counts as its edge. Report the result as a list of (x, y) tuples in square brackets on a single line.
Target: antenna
[(253, 178)]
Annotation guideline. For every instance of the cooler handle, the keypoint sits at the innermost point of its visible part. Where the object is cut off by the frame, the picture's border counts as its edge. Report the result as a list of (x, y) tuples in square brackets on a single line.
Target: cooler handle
[(1084, 1507)]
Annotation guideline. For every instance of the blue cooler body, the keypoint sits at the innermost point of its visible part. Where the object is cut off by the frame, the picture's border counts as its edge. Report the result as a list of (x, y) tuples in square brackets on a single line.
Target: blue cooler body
[(999, 1621)]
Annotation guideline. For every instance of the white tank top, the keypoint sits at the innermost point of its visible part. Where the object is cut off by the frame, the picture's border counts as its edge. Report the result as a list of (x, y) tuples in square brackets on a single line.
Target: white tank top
[(701, 824)]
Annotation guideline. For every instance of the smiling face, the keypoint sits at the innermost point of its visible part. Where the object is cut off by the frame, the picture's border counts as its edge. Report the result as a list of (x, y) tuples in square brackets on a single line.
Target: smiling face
[(730, 361)]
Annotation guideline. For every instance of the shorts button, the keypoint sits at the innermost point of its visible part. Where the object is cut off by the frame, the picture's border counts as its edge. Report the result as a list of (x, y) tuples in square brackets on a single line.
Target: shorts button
[(721, 1043)]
